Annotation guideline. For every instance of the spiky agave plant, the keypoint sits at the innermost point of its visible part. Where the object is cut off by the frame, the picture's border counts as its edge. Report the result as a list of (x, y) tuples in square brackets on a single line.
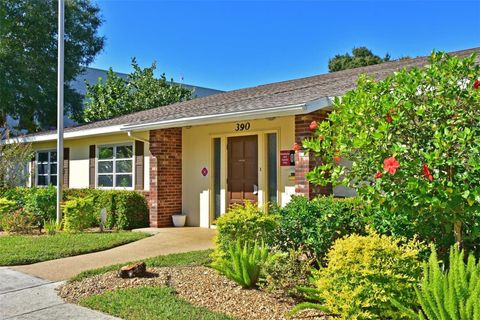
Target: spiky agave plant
[(452, 294), (244, 263)]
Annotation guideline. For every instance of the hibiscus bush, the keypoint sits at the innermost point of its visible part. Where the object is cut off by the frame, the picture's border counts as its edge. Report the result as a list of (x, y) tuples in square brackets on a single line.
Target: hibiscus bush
[(413, 140)]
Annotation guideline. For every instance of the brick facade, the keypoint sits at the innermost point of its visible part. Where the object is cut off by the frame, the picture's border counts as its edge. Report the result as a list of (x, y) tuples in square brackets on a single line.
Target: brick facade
[(305, 161), (165, 196)]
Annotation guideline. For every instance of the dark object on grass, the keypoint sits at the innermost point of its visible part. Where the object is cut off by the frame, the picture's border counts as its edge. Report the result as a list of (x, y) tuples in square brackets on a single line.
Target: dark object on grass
[(138, 270)]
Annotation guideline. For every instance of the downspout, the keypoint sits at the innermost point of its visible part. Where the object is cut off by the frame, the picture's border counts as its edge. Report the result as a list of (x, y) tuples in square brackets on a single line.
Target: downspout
[(131, 135)]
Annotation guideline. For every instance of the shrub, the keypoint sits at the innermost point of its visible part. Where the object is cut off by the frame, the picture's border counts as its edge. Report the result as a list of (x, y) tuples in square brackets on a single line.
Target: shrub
[(244, 263), (314, 225), (413, 141), (286, 272), (79, 214), (7, 206), (41, 204), (363, 274), (451, 295), (16, 194), (125, 209), (244, 223), (131, 210), (17, 221)]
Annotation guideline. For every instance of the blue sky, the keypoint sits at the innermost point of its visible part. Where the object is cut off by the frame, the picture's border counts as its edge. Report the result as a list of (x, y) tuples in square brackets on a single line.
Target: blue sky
[(228, 45)]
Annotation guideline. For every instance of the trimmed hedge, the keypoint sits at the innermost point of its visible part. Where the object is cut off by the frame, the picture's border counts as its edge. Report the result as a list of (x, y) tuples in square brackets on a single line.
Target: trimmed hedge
[(313, 225), (125, 209)]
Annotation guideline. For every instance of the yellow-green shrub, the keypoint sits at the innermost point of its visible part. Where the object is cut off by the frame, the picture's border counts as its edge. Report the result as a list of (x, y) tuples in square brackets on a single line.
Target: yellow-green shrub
[(364, 273), (246, 223), (7, 206), (79, 214)]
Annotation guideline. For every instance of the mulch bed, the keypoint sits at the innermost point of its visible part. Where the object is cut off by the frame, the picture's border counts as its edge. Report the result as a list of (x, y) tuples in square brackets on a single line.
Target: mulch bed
[(201, 286)]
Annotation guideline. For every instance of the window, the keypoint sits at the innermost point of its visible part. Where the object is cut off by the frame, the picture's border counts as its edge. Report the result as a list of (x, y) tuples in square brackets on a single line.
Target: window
[(46, 168), (216, 175), (115, 166), (272, 167)]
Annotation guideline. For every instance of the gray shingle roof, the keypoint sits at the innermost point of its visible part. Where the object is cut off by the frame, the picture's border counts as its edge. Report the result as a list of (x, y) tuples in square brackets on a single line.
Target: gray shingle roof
[(266, 96)]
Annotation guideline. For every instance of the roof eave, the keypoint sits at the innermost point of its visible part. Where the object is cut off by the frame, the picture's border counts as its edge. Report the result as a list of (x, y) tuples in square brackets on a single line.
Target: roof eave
[(301, 108)]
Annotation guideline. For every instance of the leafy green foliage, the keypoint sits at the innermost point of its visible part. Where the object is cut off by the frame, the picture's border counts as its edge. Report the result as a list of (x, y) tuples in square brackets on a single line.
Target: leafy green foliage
[(361, 57), (244, 263), (43, 248), (125, 209), (7, 206), (413, 140), (79, 214), (140, 91), (41, 204), (452, 294), (14, 161), (246, 223), (148, 303), (28, 37), (313, 226), (131, 210), (363, 274)]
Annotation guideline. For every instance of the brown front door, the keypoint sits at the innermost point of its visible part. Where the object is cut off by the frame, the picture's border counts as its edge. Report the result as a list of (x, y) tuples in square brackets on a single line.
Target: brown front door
[(242, 183)]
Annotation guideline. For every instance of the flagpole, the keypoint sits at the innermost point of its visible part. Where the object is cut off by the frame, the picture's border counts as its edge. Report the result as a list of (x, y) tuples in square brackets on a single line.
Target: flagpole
[(60, 80)]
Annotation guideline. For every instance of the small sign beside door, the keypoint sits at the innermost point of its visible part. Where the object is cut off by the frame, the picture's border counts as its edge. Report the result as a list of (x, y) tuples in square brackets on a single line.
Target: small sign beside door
[(287, 158), (204, 172)]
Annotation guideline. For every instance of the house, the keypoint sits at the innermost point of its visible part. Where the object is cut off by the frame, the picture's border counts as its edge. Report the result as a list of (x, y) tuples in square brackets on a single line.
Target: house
[(200, 156)]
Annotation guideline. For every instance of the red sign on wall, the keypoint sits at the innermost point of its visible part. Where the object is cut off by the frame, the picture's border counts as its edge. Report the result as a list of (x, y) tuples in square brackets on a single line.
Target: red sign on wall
[(204, 172), (287, 158)]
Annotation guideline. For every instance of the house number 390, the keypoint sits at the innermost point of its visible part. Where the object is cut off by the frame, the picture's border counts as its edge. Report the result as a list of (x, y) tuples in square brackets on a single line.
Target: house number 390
[(244, 126)]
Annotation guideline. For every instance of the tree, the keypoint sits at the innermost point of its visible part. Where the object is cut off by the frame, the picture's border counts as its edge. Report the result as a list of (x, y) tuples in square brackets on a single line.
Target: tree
[(140, 91), (28, 51), (14, 159), (362, 57), (414, 143)]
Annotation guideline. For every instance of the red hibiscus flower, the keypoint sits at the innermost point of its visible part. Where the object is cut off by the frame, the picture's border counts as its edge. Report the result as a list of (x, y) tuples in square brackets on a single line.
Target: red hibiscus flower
[(313, 125), (391, 165), (389, 118), (337, 159), (476, 84), (378, 175), (296, 146), (426, 172)]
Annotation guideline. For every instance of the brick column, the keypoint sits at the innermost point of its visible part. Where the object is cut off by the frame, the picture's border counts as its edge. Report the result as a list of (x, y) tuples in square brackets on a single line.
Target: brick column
[(305, 161), (165, 195)]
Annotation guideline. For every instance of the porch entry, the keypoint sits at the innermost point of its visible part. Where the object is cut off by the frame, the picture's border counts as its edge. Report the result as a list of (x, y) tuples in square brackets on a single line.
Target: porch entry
[(242, 178)]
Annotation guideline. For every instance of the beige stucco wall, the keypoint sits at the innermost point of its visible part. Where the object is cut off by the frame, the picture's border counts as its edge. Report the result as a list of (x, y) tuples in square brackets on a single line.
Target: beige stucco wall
[(197, 153), (79, 155)]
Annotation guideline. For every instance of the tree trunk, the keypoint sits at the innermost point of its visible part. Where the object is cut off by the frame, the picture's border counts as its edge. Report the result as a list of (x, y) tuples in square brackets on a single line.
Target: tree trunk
[(457, 232)]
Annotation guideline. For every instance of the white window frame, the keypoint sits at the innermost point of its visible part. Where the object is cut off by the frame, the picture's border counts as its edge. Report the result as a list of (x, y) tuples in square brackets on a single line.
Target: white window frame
[(48, 163), (114, 169)]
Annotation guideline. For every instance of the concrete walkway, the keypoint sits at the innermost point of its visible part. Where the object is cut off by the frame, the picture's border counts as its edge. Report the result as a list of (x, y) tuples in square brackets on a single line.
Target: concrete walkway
[(25, 297), (165, 241)]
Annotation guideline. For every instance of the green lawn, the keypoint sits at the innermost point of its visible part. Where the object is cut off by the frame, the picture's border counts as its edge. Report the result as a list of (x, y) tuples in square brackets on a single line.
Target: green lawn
[(21, 249), (148, 303), (193, 258)]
